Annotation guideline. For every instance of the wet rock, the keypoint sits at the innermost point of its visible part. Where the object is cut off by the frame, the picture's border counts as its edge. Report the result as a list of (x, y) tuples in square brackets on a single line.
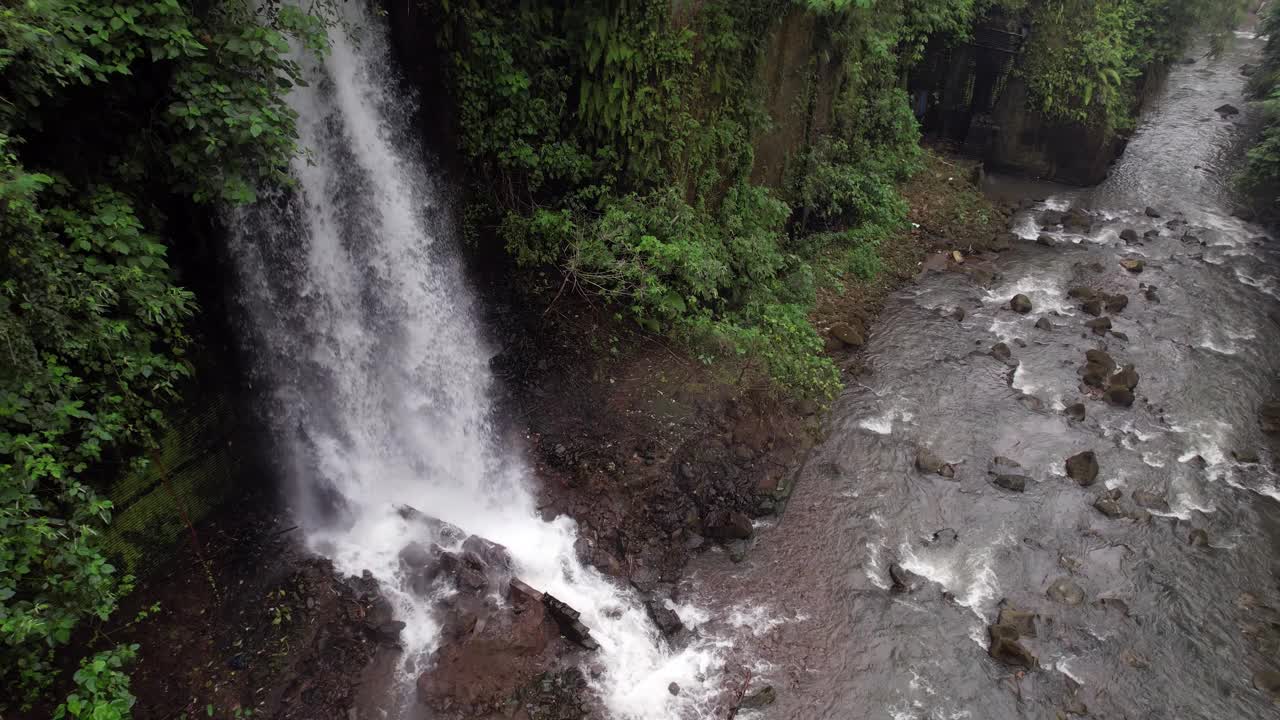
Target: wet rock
[(1198, 462), (664, 618), (1227, 110), (1129, 235), (1151, 212), (905, 581), (929, 463), (999, 243), (1109, 506), (1050, 218), (1020, 304), (1245, 456), (1005, 647), (1013, 483), (486, 555), (674, 688), (1066, 591), (1127, 377), (1031, 402), (1150, 295), (737, 550), (1093, 306), (1081, 293), (729, 525), (645, 578), (1150, 234), (1001, 352), (1268, 681), (1045, 240), (387, 633), (957, 314), (1099, 326), (1150, 500), (1269, 417), (1021, 620), (415, 555), (570, 626), (1096, 375), (1083, 468), (847, 334), (756, 699), (1117, 303), (1075, 411), (1001, 464), (1198, 538), (1119, 335), (1118, 396), (1133, 265), (1100, 357), (1077, 220)]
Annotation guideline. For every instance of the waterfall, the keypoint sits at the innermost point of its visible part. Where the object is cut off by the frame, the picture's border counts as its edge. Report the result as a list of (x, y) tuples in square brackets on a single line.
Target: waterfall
[(373, 373)]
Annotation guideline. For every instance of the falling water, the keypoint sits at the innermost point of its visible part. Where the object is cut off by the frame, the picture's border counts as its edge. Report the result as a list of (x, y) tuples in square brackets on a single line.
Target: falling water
[(376, 375)]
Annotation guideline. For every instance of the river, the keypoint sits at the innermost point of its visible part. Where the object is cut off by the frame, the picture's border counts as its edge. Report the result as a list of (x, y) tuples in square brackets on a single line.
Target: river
[(1153, 624)]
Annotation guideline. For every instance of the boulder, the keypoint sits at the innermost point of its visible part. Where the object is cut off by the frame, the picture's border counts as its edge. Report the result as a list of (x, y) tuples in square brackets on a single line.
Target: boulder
[(1118, 396), (1227, 110), (1083, 468), (485, 554), (729, 525), (1050, 218), (905, 581), (1117, 303), (1021, 620), (1001, 352), (1099, 326), (416, 555), (1198, 538), (1151, 212), (1013, 483), (1044, 324), (1001, 464), (664, 618), (1020, 304), (1005, 647), (1045, 240), (1093, 306), (1129, 235), (1095, 375), (1150, 500), (957, 314), (1077, 220), (1268, 681), (570, 626), (929, 463), (1100, 357), (1066, 591), (758, 698), (1127, 377), (1075, 411), (1249, 457), (1080, 292), (847, 334), (1133, 265), (674, 688), (1109, 506)]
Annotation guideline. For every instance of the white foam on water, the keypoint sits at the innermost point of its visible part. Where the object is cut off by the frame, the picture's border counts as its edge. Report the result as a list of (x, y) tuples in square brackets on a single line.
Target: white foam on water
[(365, 335), (874, 568), (1063, 665), (1152, 460), (883, 424), (1044, 290), (691, 616), (760, 620), (1026, 227), (970, 577)]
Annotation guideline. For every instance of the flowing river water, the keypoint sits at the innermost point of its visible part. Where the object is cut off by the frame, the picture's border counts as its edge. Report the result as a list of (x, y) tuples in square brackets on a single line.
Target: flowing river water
[(1161, 627)]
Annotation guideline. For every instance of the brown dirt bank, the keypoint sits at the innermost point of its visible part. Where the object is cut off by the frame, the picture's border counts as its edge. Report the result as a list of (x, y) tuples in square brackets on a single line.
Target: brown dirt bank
[(656, 455)]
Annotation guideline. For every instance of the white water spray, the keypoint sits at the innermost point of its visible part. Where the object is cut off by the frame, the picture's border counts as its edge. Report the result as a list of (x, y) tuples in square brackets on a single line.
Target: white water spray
[(378, 384)]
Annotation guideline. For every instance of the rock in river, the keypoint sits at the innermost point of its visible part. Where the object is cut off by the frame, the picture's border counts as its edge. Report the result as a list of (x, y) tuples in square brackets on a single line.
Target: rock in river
[(847, 334), (1075, 411), (729, 525), (1099, 326), (1083, 468), (1129, 235), (1044, 324), (1198, 538), (1021, 620), (1150, 500), (1020, 304), (1119, 396), (905, 581), (1127, 377), (1133, 265), (1001, 352), (1066, 591), (759, 698), (1015, 483), (929, 463), (1006, 648), (1109, 506), (1152, 212), (1268, 681)]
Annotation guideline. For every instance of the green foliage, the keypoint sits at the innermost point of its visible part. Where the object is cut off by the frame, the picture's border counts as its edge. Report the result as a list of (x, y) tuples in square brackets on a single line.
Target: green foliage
[(1260, 179), (102, 687), (1084, 58), (110, 114), (614, 142)]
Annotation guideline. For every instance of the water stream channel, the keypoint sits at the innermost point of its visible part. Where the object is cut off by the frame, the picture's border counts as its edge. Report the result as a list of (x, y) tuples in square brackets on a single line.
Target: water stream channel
[(1137, 617)]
